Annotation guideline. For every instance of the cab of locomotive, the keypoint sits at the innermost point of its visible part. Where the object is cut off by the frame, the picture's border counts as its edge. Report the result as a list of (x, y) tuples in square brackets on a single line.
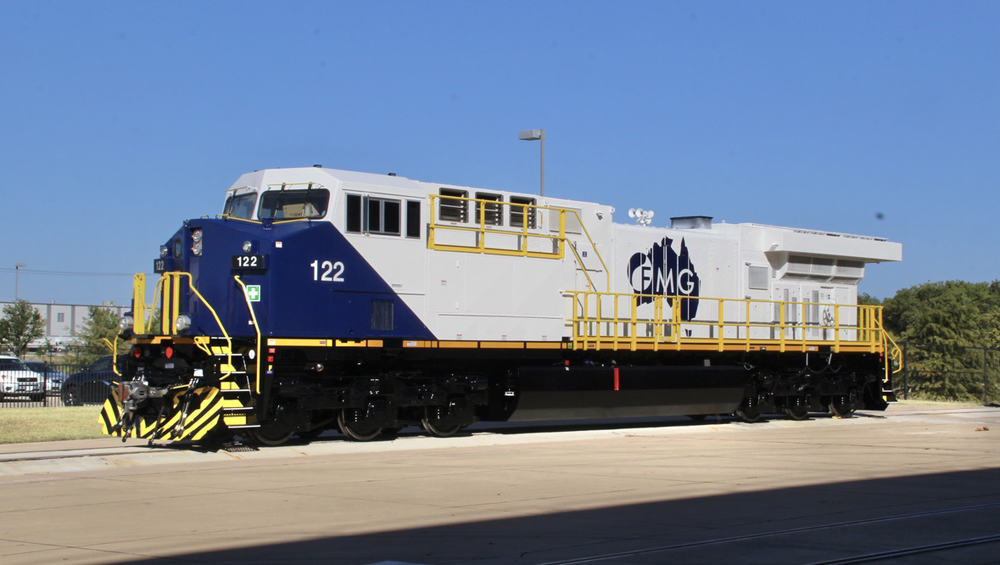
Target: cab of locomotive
[(211, 267)]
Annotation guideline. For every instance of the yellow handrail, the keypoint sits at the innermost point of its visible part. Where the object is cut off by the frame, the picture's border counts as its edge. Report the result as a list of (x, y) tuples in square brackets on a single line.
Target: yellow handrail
[(113, 346), (592, 329), (607, 273), (253, 316), (481, 228), (169, 286), (896, 353), (139, 303), (261, 222), (139, 306)]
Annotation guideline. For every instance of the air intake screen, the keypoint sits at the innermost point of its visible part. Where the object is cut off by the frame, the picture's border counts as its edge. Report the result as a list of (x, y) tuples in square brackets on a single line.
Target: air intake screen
[(382, 314)]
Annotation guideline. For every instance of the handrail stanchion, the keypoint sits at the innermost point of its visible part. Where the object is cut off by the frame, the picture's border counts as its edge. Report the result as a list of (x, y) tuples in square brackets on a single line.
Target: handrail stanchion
[(256, 327), (139, 303)]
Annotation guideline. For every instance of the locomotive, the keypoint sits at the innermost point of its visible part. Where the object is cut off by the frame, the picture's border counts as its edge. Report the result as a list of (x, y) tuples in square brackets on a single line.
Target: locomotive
[(323, 298)]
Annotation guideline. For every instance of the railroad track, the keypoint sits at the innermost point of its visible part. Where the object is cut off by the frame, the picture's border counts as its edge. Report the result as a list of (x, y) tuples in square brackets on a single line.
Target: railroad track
[(917, 550)]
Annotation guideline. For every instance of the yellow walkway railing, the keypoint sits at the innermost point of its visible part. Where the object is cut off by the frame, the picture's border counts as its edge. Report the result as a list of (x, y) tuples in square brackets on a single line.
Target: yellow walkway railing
[(613, 321), (493, 238)]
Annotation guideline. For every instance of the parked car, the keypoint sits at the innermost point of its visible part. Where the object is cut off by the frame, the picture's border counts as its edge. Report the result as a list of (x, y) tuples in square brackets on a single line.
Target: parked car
[(90, 385), (18, 380), (53, 378)]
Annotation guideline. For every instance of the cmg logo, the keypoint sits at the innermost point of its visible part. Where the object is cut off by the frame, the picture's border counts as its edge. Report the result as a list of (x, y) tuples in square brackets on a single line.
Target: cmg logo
[(664, 272)]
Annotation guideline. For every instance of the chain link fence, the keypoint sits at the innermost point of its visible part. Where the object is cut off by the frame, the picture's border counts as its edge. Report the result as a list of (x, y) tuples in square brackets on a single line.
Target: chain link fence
[(951, 373)]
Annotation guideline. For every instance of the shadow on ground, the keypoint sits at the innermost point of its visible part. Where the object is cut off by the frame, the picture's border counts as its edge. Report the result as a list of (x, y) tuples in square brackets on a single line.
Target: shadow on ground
[(794, 525)]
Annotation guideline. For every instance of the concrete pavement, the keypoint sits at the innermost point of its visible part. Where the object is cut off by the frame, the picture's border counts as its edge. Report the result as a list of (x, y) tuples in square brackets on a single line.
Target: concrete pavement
[(775, 492)]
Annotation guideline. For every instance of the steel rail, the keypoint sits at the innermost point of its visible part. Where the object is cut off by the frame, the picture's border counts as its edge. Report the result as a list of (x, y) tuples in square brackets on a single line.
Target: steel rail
[(775, 533), (915, 550)]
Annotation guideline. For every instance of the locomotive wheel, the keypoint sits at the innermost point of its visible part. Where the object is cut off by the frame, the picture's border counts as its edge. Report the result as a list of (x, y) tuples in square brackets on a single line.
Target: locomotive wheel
[(748, 414), (270, 438), (439, 429), (797, 412), (841, 406), (357, 431)]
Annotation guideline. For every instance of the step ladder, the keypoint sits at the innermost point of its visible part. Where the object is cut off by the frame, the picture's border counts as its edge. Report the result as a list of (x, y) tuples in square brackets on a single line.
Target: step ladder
[(238, 402)]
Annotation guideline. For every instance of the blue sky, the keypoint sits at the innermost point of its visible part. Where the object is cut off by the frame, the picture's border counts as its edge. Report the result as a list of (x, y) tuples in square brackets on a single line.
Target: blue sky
[(121, 119)]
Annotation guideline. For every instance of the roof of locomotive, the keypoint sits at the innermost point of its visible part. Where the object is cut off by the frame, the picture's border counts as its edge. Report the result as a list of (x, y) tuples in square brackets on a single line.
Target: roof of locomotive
[(319, 176), (333, 178), (784, 239)]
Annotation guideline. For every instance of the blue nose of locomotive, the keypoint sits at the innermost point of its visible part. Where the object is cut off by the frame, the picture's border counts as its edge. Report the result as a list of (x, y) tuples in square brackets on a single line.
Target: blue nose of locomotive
[(299, 279)]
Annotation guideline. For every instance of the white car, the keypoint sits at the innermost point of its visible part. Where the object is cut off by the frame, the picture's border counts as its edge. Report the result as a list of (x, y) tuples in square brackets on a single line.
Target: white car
[(18, 380), (53, 378)]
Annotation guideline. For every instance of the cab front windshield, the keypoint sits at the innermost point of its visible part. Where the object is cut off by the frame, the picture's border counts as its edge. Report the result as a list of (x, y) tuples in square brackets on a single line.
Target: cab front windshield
[(286, 204), (241, 205)]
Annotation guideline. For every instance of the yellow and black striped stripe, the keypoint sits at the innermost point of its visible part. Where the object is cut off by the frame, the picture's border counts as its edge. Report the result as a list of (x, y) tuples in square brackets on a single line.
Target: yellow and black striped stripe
[(204, 415)]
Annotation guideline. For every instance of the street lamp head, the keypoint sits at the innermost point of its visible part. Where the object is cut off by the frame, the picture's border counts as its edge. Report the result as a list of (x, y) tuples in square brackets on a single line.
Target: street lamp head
[(531, 134), (535, 135)]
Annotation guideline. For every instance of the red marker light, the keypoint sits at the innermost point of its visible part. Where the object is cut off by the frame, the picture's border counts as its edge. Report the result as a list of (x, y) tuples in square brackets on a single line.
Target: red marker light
[(169, 353), (137, 352)]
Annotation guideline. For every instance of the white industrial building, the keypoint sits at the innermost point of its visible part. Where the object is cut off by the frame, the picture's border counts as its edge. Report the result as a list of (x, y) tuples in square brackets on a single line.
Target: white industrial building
[(62, 321)]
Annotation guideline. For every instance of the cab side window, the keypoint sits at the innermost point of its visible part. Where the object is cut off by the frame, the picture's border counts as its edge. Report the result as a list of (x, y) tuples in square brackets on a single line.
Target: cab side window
[(383, 216), (412, 218), (369, 214), (354, 213)]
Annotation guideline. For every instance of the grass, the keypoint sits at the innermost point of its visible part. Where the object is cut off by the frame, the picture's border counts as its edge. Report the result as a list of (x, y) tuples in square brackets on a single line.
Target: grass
[(918, 401), (24, 425)]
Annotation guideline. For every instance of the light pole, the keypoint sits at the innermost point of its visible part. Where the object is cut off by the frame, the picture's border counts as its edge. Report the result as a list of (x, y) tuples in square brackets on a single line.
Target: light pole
[(536, 135), (17, 272)]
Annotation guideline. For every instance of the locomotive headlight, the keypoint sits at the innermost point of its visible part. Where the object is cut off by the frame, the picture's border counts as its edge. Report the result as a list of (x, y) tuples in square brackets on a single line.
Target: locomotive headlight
[(164, 251), (196, 238), (247, 247), (126, 323), (183, 322)]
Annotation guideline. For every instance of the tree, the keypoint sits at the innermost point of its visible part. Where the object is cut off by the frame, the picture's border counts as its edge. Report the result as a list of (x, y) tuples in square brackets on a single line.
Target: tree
[(949, 326), (953, 313), (866, 299), (21, 324), (99, 328)]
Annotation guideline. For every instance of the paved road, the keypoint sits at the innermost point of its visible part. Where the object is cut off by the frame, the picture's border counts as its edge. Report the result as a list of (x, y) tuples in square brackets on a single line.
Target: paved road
[(926, 478)]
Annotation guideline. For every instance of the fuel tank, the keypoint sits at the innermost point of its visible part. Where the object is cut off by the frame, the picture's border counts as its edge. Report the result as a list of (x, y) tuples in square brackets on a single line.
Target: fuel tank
[(550, 393)]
